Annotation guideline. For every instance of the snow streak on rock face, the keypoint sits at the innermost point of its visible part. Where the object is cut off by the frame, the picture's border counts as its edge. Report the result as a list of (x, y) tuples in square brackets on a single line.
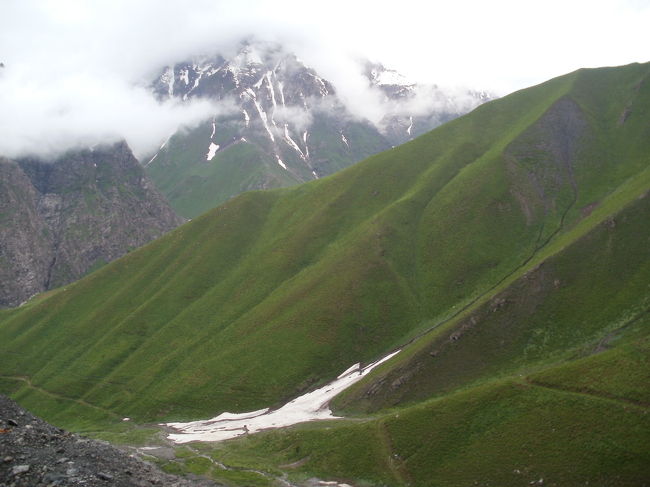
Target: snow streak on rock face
[(277, 97), (308, 407), (212, 150), (293, 117)]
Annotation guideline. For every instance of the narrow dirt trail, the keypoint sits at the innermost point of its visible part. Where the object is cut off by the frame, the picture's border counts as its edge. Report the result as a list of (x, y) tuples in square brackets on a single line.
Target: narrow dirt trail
[(81, 402), (588, 393)]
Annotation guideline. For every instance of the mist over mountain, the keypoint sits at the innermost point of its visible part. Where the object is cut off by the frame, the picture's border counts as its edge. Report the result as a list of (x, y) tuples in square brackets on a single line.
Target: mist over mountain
[(68, 83), (76, 73), (285, 123), (409, 109)]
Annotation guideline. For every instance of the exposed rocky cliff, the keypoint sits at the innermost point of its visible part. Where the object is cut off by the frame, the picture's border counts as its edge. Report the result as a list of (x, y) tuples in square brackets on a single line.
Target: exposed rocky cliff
[(60, 219)]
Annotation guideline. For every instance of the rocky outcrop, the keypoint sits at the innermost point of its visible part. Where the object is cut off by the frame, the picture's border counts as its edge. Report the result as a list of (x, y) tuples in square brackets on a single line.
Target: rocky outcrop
[(60, 219), (35, 453)]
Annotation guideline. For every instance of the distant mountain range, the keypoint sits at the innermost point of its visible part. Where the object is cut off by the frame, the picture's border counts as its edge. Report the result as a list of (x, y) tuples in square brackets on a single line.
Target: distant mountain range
[(286, 125)]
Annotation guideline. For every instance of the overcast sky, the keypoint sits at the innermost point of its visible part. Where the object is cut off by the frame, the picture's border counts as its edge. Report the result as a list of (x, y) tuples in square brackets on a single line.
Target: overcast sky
[(75, 70)]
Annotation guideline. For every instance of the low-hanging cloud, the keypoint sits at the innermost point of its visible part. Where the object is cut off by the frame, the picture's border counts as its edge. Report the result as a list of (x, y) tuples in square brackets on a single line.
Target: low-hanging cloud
[(76, 72), (80, 111), (296, 117)]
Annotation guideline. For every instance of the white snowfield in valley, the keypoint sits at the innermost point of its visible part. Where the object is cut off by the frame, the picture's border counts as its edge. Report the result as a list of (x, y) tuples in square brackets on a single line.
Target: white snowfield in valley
[(308, 407)]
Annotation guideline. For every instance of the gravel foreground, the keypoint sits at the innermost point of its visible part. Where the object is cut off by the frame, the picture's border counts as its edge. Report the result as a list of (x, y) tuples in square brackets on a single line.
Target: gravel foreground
[(34, 453)]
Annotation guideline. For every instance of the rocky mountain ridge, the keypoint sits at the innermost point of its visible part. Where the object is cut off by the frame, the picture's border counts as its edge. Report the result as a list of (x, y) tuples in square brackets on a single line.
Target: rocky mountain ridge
[(59, 219)]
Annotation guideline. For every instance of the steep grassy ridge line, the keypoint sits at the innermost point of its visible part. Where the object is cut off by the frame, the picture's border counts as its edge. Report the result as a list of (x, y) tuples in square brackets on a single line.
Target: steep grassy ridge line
[(563, 308), (581, 422), (275, 291)]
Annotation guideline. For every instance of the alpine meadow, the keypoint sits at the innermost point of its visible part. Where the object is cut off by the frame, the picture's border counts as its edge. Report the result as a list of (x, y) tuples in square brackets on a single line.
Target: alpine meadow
[(505, 254)]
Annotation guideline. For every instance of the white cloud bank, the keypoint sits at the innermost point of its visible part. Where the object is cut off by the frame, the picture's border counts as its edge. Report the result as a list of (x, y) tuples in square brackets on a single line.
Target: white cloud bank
[(76, 71), (43, 117)]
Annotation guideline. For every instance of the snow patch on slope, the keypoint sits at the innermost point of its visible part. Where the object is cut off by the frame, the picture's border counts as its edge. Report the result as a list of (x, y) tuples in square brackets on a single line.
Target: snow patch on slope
[(212, 150), (308, 407), (281, 89), (345, 140), (271, 92), (389, 77), (291, 142), (184, 75), (282, 164), (168, 79)]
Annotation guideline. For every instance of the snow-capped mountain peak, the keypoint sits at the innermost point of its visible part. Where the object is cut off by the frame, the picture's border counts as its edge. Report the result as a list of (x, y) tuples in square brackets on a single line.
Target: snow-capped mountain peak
[(292, 116)]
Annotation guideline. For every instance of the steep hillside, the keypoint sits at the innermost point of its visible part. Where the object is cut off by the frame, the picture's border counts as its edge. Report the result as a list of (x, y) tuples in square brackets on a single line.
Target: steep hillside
[(574, 304), (546, 383), (283, 124), (274, 292), (59, 219)]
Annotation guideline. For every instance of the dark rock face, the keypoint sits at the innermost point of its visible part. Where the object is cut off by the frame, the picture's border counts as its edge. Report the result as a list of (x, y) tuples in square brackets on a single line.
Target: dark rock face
[(59, 219), (34, 453)]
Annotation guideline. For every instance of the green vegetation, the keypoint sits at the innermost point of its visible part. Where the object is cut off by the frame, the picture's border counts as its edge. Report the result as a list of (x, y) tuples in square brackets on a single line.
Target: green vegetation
[(508, 250), (561, 309), (503, 433), (194, 185)]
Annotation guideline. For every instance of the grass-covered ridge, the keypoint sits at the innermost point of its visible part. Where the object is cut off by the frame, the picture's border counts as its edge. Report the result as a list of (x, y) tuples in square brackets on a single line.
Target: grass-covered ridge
[(570, 305), (275, 291), (503, 433)]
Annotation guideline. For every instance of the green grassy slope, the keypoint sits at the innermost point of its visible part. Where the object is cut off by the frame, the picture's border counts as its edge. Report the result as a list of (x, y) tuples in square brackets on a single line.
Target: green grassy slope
[(562, 394), (576, 416), (505, 433), (563, 308), (583, 422), (194, 185), (275, 291)]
